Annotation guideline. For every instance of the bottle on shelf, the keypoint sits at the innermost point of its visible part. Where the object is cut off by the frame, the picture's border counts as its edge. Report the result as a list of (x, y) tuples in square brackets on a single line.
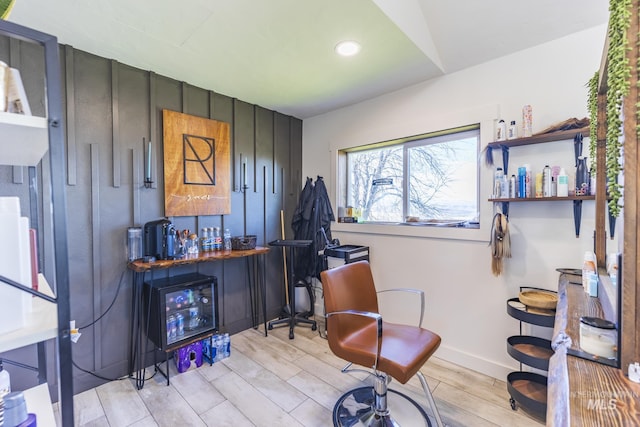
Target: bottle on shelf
[(179, 324), (582, 177), (194, 311), (227, 239), (546, 181), (172, 330), (522, 182), (204, 240), (513, 187), (527, 121), (497, 183), (512, 131), (563, 184), (538, 187), (501, 130), (217, 239)]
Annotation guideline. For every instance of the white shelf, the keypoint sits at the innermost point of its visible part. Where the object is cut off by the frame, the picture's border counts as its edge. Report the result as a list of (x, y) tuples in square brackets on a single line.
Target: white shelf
[(41, 324), (23, 139)]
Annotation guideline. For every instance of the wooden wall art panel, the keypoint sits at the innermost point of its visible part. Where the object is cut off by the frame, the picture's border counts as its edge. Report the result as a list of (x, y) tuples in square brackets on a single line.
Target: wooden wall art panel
[(197, 178)]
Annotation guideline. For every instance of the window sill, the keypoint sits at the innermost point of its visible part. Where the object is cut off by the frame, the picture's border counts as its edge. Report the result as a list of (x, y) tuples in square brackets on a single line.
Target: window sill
[(472, 232)]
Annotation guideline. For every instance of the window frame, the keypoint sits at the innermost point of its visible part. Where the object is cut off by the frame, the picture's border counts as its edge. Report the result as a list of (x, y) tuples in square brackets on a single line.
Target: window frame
[(407, 143)]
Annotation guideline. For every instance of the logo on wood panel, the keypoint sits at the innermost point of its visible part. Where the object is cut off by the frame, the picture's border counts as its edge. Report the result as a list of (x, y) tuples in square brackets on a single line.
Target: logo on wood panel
[(199, 160), (197, 165)]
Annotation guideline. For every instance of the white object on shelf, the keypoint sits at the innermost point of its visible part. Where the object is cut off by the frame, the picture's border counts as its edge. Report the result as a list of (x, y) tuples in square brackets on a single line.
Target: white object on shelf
[(40, 325), (39, 402), (4, 71), (23, 139), (15, 264), (17, 101)]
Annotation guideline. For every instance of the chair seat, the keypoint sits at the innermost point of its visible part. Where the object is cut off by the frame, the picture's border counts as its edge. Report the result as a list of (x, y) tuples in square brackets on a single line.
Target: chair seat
[(397, 358)]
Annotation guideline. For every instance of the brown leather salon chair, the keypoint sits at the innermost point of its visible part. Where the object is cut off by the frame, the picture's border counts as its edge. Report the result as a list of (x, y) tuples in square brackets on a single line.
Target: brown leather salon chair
[(357, 333)]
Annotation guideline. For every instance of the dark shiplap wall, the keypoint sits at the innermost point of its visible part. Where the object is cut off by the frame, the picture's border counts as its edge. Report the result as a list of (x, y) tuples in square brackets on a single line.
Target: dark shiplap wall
[(110, 107)]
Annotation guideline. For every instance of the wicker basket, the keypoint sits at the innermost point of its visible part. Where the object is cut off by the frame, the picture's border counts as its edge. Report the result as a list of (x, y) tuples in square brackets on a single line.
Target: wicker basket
[(243, 243), (539, 299)]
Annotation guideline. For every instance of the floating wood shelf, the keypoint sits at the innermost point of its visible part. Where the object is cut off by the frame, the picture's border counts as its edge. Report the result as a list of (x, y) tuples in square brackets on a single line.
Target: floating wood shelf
[(539, 139)]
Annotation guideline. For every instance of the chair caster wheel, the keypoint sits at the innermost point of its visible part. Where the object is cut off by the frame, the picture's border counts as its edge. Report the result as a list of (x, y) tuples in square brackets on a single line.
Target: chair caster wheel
[(270, 327), (512, 403), (290, 335), (314, 328)]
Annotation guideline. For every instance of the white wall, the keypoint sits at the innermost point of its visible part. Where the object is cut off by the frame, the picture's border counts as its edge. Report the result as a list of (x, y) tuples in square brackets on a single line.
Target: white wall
[(466, 304)]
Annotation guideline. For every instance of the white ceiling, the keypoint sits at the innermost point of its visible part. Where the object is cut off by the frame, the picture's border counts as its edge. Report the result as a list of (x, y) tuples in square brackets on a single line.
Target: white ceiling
[(279, 53)]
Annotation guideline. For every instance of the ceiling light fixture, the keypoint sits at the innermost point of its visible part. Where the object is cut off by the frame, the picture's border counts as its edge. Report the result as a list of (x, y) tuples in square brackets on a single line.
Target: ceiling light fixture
[(347, 48)]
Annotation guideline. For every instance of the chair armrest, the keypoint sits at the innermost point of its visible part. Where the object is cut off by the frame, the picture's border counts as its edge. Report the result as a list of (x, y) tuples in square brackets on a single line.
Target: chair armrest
[(375, 316), (414, 291)]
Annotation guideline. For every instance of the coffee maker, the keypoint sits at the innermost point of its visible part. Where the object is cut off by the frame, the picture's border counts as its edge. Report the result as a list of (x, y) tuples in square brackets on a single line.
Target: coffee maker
[(159, 239)]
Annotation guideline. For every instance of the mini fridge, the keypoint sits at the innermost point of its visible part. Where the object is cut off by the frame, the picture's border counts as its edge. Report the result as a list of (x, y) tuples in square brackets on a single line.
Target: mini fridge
[(181, 309)]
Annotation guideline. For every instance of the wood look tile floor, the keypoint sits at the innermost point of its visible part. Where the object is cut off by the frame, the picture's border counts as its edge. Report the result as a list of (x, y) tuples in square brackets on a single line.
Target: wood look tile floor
[(273, 381)]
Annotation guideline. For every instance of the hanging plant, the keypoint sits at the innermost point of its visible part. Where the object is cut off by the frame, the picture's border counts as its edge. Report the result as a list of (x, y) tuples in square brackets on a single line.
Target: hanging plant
[(593, 122), (5, 8), (618, 76)]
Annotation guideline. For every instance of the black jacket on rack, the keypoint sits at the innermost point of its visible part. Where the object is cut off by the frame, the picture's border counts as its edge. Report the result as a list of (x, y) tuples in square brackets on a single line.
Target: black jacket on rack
[(313, 214)]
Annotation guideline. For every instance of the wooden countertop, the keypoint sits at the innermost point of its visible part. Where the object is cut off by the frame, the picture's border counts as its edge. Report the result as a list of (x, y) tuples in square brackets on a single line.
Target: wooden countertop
[(584, 392), (141, 266)]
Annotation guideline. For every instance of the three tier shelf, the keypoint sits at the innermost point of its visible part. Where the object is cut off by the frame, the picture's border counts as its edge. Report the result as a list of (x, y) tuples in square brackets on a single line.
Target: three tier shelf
[(528, 390)]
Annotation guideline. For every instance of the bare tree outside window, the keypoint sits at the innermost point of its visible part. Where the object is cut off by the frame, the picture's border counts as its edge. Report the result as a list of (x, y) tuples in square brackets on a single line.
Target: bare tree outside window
[(379, 202), (429, 178)]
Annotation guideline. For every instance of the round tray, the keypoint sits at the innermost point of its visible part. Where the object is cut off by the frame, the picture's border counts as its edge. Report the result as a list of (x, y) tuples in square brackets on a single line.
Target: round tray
[(532, 351), (539, 299), (534, 316), (530, 391)]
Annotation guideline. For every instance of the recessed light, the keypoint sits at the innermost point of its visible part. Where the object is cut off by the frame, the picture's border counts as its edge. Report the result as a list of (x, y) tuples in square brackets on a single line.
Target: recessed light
[(347, 48)]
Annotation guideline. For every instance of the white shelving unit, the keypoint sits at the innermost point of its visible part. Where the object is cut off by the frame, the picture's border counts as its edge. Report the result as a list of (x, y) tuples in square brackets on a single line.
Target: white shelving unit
[(25, 141)]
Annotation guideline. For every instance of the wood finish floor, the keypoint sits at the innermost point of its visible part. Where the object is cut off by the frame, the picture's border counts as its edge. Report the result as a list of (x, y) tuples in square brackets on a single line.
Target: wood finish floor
[(275, 381)]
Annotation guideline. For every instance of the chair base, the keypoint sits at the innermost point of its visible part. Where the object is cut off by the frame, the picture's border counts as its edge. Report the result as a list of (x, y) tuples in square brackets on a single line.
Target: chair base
[(292, 321), (356, 408)]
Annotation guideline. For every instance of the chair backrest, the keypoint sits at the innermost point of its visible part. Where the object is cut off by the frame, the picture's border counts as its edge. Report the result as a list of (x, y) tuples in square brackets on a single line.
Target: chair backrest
[(348, 287)]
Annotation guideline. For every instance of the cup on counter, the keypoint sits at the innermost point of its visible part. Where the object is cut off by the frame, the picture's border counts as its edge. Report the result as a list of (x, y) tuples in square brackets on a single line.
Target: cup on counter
[(598, 337)]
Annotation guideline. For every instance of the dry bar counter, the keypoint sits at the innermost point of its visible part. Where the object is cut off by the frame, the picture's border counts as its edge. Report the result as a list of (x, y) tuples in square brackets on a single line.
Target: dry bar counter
[(140, 268), (584, 392)]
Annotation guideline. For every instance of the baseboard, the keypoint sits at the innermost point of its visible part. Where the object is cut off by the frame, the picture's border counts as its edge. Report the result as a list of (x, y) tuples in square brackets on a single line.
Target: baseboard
[(475, 363)]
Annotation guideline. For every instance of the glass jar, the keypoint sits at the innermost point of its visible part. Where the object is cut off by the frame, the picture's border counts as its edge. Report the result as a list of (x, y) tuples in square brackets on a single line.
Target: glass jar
[(192, 245), (598, 337)]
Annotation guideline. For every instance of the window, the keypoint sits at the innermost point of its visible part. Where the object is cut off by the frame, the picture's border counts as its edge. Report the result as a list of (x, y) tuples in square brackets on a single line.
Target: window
[(431, 178)]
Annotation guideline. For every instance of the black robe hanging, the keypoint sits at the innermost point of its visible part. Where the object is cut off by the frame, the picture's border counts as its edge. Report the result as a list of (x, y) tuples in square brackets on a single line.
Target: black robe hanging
[(312, 214)]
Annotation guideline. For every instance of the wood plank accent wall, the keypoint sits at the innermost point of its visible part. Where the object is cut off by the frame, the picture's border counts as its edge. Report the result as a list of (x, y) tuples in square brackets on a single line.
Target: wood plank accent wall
[(110, 107)]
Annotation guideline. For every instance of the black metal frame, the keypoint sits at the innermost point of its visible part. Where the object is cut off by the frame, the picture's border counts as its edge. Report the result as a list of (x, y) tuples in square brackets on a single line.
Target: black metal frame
[(289, 316), (58, 200)]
